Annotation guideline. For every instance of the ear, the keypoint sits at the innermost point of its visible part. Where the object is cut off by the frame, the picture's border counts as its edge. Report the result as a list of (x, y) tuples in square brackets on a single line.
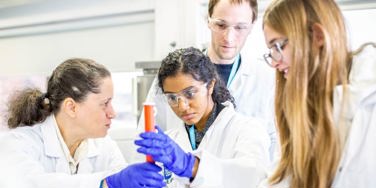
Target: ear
[(207, 22), (69, 107), (211, 86), (318, 34)]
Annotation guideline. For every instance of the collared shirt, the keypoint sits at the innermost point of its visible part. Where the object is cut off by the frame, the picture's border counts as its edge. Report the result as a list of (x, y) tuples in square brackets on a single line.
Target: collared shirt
[(81, 152), (200, 134)]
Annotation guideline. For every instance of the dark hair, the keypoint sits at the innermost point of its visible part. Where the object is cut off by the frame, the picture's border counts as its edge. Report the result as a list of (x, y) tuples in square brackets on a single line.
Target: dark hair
[(252, 4), (74, 78), (192, 61)]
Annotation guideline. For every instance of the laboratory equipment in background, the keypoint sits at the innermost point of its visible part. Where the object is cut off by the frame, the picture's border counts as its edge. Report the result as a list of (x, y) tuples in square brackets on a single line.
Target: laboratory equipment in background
[(150, 70)]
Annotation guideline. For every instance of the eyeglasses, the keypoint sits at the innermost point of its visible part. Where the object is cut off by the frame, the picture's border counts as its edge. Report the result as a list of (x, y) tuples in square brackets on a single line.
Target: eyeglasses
[(185, 95), (220, 26), (275, 52)]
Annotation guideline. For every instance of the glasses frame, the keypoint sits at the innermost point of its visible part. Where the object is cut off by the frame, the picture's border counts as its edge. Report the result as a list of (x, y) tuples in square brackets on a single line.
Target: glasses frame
[(181, 95), (277, 55), (239, 28)]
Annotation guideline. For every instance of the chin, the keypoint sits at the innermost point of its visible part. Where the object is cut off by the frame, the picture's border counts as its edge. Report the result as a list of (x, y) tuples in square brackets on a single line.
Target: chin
[(228, 56), (100, 135), (190, 122)]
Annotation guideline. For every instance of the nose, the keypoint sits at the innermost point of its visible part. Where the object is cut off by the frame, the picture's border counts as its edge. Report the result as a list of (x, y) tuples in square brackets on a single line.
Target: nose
[(182, 104), (230, 34), (111, 112), (275, 63)]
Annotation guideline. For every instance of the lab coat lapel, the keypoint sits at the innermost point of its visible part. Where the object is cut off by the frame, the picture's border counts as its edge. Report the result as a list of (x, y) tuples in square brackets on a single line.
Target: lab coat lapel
[(365, 96), (180, 135), (85, 164), (213, 135), (357, 97), (52, 146), (183, 138), (241, 76), (62, 165)]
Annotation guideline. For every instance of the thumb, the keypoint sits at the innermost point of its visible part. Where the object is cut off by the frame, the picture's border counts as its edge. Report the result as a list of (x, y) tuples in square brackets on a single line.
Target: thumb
[(160, 131)]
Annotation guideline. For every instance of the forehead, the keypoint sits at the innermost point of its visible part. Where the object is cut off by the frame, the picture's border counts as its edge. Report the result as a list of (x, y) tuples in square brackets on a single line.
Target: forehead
[(271, 35), (232, 12), (179, 82), (105, 90)]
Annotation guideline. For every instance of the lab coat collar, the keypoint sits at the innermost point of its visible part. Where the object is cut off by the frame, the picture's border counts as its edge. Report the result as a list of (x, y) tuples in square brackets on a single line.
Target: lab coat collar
[(220, 123), (362, 87), (92, 148), (244, 71), (225, 115), (52, 145), (244, 64), (180, 133), (358, 95)]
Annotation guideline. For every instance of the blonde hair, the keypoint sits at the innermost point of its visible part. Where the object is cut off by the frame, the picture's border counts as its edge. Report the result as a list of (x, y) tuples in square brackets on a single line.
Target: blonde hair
[(310, 144)]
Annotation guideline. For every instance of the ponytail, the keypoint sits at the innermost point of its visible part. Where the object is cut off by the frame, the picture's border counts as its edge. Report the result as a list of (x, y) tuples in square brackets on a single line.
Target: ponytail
[(74, 78), (28, 107)]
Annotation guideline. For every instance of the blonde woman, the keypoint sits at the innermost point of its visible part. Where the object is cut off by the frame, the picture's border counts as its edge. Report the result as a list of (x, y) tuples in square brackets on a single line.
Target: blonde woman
[(325, 100)]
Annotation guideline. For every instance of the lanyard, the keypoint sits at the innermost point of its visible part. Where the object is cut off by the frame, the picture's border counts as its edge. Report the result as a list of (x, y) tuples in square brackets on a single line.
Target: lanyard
[(192, 136), (233, 70)]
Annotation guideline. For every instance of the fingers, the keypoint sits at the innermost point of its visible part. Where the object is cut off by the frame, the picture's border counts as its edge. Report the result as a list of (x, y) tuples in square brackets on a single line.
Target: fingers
[(151, 176), (157, 155), (149, 167), (150, 183), (153, 135), (151, 151), (152, 179), (150, 147), (160, 131), (151, 143)]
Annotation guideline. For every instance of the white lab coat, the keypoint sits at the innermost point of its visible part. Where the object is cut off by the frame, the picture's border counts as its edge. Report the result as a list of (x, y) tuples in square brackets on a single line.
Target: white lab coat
[(357, 167), (233, 153), (252, 89), (33, 157)]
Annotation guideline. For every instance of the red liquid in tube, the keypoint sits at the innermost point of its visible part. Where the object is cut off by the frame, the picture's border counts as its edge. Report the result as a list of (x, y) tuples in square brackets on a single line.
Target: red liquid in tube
[(149, 122)]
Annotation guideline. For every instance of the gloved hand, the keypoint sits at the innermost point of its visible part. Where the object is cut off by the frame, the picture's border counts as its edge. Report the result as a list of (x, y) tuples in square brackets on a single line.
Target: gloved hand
[(137, 175), (163, 149)]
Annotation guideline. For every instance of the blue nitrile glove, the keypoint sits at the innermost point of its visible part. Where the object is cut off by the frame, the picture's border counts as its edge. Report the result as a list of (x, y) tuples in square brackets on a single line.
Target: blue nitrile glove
[(137, 175), (163, 149)]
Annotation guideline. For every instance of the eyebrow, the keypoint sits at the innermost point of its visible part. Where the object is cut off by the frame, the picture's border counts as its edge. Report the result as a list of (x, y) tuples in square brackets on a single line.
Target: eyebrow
[(226, 22), (272, 42), (106, 99), (185, 89)]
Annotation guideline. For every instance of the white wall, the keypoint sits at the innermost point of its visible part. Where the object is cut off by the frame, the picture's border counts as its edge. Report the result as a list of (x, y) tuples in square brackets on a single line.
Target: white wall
[(361, 27), (114, 33), (115, 47)]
